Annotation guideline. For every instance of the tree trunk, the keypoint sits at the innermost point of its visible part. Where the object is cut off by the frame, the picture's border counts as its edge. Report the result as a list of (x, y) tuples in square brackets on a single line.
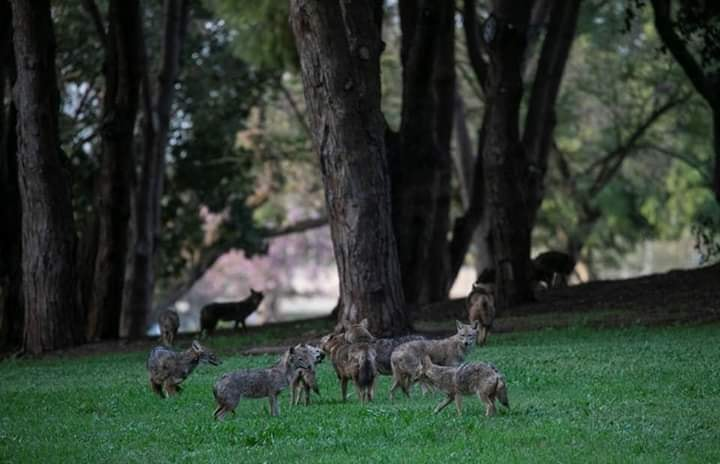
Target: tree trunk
[(503, 154), (120, 105), (11, 308), (437, 271), (48, 234), (339, 47), (540, 120), (415, 168), (157, 125), (716, 148)]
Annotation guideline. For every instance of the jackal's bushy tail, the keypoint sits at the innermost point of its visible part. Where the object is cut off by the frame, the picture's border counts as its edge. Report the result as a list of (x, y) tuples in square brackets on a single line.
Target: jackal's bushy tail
[(367, 371), (501, 392)]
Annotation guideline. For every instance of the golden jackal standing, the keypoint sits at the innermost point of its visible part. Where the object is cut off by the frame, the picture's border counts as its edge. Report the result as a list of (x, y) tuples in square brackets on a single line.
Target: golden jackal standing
[(406, 360), (230, 388), (481, 379), (352, 361), (168, 369), (303, 381), (236, 311), (169, 323), (384, 347), (480, 304)]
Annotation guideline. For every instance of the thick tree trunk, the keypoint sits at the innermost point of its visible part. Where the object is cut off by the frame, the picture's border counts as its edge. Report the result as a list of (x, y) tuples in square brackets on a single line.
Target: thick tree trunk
[(437, 271), (11, 308), (540, 119), (120, 105), (48, 235), (416, 168), (716, 147), (503, 154), (157, 125), (339, 47)]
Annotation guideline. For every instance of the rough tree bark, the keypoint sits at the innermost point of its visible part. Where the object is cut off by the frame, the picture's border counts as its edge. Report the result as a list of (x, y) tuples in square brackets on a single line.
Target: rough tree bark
[(113, 188), (48, 232), (706, 83), (155, 133), (437, 270), (11, 309), (503, 155), (418, 164), (339, 47)]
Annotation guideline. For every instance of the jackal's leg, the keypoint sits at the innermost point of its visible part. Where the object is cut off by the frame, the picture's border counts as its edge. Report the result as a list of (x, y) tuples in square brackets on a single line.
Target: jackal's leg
[(244, 326), (170, 388), (443, 404), (219, 413), (360, 391), (371, 389), (343, 388), (489, 403), (274, 407), (157, 389), (306, 389), (237, 323), (458, 404)]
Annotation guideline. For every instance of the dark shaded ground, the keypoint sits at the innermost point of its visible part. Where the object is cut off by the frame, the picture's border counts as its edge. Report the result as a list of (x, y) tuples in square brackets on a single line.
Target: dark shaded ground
[(676, 297)]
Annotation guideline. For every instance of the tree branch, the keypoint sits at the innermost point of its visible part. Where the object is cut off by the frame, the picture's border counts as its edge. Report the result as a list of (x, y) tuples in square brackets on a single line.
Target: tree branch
[(299, 226), (610, 164), (473, 44), (92, 9), (296, 110), (673, 42)]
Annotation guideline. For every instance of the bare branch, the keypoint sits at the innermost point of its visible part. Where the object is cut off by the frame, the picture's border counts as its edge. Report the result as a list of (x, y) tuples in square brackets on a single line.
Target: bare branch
[(92, 9), (300, 226), (472, 40), (679, 50), (296, 110)]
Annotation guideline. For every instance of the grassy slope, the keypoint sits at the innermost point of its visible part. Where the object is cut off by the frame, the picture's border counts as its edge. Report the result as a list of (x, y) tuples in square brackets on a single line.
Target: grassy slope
[(577, 395)]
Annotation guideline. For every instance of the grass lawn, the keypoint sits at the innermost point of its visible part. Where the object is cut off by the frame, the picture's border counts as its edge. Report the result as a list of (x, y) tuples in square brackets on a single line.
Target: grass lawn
[(577, 395)]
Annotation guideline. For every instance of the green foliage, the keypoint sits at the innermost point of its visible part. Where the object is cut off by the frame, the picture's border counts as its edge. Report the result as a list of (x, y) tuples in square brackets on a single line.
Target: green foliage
[(651, 393), (706, 232), (262, 31)]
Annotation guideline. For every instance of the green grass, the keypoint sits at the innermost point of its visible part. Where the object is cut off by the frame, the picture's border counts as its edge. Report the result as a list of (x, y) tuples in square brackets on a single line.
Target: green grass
[(577, 395)]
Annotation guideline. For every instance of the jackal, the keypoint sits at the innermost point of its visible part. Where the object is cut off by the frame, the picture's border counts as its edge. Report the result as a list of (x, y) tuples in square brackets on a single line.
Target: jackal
[(553, 268), (480, 305), (303, 381), (236, 311), (257, 383), (406, 360), (358, 333), (481, 379), (168, 369), (352, 361), (169, 323)]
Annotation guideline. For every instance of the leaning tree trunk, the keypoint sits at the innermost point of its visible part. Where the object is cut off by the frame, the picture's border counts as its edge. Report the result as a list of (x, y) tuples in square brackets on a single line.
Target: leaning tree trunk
[(113, 189), (339, 46), (157, 126), (540, 119), (503, 154), (52, 318)]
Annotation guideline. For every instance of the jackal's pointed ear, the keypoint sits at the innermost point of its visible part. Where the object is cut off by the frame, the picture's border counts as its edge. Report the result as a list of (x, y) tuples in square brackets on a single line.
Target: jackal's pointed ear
[(459, 324), (364, 323), (196, 346)]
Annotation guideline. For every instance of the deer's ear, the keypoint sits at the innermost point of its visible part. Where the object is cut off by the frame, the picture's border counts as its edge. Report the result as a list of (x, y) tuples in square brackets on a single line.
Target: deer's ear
[(476, 325), (292, 350), (196, 345)]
